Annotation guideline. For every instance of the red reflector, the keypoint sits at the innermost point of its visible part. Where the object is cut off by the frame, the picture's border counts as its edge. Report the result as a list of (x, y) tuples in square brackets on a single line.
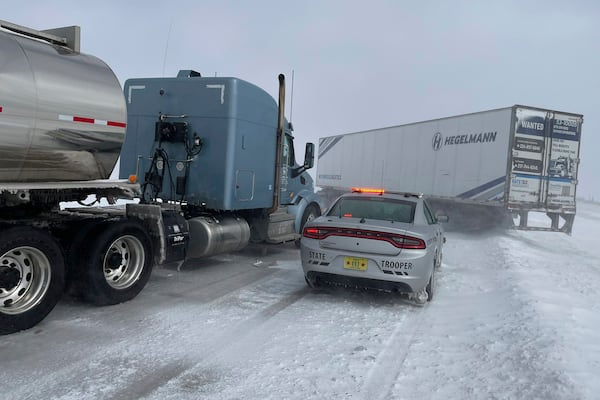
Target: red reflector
[(348, 215), (82, 119), (119, 124), (74, 118)]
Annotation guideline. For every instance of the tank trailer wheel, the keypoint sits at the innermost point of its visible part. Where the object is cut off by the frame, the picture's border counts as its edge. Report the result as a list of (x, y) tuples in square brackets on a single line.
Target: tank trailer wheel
[(32, 274)]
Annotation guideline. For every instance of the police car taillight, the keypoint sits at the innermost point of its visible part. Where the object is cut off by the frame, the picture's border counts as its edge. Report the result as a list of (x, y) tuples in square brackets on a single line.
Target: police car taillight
[(408, 242), (396, 240), (314, 233)]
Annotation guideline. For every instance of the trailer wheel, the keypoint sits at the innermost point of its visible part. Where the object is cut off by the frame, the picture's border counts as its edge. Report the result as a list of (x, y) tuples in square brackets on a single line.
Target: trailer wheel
[(311, 212), (118, 266), (32, 277)]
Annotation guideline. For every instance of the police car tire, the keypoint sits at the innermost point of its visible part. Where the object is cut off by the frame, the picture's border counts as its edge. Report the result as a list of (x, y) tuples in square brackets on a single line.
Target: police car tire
[(311, 284), (438, 264), (430, 288), (94, 287)]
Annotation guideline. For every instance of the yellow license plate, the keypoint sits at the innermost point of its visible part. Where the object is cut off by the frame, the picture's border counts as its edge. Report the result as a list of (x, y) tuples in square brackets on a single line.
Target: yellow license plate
[(358, 264)]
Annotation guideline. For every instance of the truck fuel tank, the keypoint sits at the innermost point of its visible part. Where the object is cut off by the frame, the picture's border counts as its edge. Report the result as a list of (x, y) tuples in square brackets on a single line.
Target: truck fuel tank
[(214, 235)]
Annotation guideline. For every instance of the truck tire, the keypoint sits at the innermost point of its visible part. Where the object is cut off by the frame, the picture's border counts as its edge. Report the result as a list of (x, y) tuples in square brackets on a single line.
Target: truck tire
[(118, 265), (311, 212), (32, 277)]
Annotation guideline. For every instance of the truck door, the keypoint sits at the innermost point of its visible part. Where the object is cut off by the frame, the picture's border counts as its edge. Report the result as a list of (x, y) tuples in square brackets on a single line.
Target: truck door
[(287, 159), (562, 160)]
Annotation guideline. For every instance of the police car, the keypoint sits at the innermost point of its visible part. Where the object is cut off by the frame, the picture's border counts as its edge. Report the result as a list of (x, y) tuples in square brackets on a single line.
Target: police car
[(374, 239)]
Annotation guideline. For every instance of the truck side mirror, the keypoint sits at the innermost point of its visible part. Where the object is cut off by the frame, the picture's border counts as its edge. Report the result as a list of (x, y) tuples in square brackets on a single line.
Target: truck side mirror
[(309, 156), (442, 218), (309, 160)]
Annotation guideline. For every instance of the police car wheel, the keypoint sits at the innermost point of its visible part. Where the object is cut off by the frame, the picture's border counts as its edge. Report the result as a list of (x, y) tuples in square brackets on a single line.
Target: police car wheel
[(311, 284), (430, 286)]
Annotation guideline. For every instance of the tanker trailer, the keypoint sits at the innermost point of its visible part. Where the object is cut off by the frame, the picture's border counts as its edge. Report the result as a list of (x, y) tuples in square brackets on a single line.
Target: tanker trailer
[(62, 125)]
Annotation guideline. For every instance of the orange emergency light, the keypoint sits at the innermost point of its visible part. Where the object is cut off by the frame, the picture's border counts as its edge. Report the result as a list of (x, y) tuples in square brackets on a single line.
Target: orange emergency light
[(367, 190)]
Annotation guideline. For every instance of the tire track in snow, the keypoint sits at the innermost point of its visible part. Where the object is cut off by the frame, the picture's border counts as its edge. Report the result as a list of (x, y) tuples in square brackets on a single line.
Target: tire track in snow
[(389, 363), (113, 367), (235, 343), (481, 335), (148, 382)]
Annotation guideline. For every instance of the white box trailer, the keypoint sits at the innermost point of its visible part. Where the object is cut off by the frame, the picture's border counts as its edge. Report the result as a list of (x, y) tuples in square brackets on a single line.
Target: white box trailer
[(520, 159)]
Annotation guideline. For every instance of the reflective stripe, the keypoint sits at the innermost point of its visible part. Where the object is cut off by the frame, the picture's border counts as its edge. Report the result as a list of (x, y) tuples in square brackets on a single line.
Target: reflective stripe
[(86, 120)]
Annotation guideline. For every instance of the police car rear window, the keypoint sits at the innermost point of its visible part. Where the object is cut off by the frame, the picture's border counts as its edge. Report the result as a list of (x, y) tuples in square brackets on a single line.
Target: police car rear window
[(374, 208)]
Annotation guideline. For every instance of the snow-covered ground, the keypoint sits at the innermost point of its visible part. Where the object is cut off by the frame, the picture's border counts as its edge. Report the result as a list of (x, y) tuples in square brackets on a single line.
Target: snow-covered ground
[(516, 316)]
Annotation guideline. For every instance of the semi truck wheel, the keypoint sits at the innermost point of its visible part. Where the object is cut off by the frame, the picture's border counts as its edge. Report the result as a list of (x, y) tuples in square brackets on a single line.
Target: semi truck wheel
[(32, 277), (118, 265), (311, 212)]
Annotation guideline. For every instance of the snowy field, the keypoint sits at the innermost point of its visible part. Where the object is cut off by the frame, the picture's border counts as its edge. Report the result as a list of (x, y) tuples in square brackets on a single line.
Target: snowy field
[(516, 316)]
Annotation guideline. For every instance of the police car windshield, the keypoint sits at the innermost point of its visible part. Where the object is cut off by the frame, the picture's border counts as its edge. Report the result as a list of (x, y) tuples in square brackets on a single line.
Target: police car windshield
[(374, 208)]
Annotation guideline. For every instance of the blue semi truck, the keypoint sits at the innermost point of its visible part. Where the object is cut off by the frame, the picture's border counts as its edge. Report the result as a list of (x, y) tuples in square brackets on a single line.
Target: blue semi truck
[(207, 164), (222, 149)]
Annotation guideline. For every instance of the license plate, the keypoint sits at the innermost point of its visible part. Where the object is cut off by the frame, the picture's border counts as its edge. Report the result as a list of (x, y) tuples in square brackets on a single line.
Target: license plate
[(358, 264)]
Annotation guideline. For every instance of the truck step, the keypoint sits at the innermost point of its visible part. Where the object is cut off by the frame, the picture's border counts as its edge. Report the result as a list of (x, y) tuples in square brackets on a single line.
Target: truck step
[(281, 227)]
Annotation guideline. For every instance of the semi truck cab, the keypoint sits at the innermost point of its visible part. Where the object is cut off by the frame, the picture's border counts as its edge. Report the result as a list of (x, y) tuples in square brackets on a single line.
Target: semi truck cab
[(222, 149)]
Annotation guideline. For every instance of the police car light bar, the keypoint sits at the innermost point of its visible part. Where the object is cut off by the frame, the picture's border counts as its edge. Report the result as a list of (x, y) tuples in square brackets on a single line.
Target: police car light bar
[(367, 190)]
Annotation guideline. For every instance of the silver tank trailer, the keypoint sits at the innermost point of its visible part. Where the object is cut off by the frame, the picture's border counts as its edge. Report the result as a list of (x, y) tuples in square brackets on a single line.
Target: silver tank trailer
[(62, 113)]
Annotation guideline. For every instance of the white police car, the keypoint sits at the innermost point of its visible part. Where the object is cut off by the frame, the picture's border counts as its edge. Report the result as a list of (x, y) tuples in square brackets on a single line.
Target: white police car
[(376, 240)]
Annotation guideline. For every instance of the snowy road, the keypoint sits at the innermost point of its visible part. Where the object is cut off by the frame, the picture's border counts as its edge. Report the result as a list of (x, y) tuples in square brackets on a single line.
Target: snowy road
[(516, 316)]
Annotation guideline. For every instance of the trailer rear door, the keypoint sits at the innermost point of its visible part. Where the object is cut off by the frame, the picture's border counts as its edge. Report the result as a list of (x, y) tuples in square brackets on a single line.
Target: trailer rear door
[(562, 161), (529, 146), (545, 156)]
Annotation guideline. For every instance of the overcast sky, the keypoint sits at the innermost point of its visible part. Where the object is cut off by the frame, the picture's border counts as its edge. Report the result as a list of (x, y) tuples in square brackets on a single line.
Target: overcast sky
[(359, 65)]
